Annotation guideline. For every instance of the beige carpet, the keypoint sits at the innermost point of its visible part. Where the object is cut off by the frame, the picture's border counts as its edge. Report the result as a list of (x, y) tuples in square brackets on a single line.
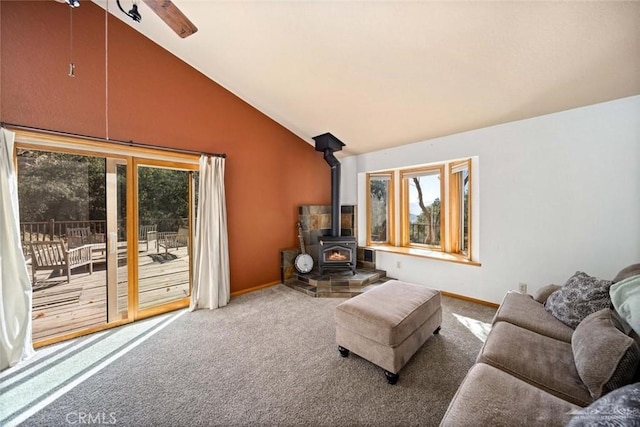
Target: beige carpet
[(269, 358)]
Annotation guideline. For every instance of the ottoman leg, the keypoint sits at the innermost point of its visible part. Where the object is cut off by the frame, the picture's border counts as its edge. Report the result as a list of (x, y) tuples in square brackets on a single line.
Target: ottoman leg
[(343, 351), (437, 331), (391, 377)]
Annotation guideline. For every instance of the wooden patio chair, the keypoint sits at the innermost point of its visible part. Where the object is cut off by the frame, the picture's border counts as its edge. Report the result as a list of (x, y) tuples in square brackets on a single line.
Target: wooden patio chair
[(54, 255), (147, 233), (172, 240), (78, 236)]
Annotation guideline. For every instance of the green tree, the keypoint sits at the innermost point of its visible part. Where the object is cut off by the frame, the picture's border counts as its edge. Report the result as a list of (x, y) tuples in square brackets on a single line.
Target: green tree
[(430, 216), (72, 187), (378, 208), (60, 186), (163, 197)]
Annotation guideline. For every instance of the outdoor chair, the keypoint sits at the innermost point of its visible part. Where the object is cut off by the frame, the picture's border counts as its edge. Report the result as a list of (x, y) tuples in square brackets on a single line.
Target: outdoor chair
[(54, 255), (98, 238), (78, 236), (172, 240), (147, 233)]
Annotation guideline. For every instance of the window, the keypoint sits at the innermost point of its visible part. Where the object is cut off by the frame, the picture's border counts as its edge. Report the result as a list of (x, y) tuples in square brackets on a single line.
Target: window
[(421, 207), (434, 205), (380, 207), (459, 190)]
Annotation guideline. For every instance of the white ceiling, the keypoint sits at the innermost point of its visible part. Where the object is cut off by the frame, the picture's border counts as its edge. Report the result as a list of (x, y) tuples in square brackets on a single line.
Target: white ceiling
[(379, 74)]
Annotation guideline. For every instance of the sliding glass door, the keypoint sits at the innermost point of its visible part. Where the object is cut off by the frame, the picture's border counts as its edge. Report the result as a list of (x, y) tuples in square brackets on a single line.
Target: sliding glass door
[(106, 235), (66, 229), (164, 231)]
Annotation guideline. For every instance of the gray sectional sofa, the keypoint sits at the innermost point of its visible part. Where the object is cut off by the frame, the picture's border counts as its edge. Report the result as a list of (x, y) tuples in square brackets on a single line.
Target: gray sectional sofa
[(535, 369)]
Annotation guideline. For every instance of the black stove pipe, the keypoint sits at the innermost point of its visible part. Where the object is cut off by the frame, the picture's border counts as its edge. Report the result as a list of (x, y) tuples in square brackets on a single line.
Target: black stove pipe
[(335, 191), (329, 144)]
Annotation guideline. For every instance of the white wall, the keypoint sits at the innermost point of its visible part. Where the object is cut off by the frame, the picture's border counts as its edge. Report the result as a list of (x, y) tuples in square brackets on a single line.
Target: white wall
[(558, 193), (348, 183)]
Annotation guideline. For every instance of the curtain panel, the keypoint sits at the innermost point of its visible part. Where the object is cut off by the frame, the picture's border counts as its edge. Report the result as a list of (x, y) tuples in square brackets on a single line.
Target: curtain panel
[(211, 285), (15, 285)]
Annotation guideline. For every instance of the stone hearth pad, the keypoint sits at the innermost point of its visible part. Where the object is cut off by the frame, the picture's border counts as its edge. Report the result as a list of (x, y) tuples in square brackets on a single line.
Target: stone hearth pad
[(339, 284)]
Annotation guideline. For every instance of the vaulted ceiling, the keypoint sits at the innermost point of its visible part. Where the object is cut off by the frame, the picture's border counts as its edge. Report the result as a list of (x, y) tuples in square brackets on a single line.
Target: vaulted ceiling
[(379, 74)]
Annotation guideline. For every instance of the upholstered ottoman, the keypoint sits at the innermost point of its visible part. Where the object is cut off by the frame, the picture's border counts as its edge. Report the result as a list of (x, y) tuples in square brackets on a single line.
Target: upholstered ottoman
[(388, 324)]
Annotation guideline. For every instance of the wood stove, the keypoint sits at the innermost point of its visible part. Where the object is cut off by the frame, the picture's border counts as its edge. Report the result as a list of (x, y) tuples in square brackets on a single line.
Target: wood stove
[(335, 251)]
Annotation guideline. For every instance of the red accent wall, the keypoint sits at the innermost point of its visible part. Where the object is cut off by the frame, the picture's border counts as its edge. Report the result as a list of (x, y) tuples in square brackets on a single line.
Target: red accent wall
[(155, 98)]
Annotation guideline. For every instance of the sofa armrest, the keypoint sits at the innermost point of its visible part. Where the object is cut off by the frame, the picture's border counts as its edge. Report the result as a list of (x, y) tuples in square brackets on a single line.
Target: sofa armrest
[(543, 293)]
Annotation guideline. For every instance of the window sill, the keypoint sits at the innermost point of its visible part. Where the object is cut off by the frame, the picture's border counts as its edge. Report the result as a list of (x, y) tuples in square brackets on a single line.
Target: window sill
[(425, 253)]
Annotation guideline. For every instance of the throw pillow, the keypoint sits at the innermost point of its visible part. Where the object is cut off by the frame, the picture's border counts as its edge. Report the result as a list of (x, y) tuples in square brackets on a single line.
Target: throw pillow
[(625, 297), (621, 407), (605, 357), (580, 296)]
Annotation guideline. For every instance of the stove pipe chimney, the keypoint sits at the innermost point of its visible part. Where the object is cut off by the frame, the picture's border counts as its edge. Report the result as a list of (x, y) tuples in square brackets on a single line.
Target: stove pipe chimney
[(328, 144)]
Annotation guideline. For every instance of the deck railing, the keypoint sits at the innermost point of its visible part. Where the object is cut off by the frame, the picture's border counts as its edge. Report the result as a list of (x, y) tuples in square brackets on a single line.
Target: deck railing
[(57, 230), (418, 233)]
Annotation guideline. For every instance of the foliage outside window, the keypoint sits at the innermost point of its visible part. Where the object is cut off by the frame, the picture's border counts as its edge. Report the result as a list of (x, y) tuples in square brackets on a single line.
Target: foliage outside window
[(71, 188), (163, 197), (63, 186), (421, 204), (380, 207)]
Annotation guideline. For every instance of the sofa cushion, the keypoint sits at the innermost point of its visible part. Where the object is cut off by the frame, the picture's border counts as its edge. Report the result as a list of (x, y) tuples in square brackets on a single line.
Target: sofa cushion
[(543, 293), (632, 270), (625, 297), (544, 362), (605, 357), (580, 296), (522, 310), (621, 407), (491, 397)]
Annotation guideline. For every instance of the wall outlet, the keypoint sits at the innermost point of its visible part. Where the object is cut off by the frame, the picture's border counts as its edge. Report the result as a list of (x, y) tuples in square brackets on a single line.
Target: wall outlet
[(397, 264), (522, 287)]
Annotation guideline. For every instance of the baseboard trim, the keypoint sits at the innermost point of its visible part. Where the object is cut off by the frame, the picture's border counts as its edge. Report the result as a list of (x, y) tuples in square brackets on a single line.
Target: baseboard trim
[(465, 298), (255, 288), (445, 293)]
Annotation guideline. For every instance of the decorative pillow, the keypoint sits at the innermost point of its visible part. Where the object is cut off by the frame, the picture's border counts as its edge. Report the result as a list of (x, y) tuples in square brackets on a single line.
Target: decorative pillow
[(580, 296), (625, 297), (621, 407), (605, 357)]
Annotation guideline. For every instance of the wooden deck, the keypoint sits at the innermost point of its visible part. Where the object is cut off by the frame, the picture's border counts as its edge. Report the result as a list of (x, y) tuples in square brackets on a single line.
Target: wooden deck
[(60, 307)]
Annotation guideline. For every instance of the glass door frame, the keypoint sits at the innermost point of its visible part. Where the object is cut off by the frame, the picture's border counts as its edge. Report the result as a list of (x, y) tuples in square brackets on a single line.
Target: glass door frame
[(118, 154), (132, 228)]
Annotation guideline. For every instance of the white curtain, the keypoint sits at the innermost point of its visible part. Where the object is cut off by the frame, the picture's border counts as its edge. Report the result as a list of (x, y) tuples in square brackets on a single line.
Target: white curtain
[(15, 284), (211, 287)]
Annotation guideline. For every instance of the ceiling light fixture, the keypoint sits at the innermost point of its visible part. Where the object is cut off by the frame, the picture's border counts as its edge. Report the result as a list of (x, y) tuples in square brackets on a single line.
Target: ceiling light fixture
[(72, 66), (133, 13), (71, 3)]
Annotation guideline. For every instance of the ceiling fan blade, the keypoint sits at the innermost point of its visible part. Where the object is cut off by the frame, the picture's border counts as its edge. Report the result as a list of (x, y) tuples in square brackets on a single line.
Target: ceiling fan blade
[(172, 16)]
